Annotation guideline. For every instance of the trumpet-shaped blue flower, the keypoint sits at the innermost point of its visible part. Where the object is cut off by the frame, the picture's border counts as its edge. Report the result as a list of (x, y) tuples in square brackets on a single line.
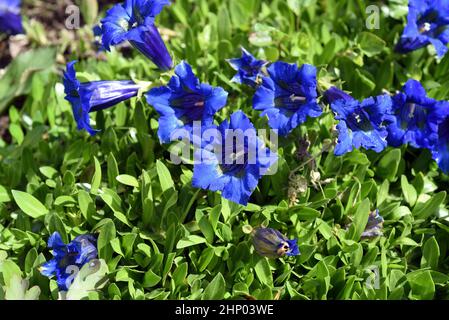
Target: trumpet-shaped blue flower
[(94, 96), (427, 23), (10, 18), (440, 149), (233, 160), (184, 101), (374, 226), (68, 258), (271, 243), (133, 21), (361, 123), (416, 117), (288, 96), (248, 68)]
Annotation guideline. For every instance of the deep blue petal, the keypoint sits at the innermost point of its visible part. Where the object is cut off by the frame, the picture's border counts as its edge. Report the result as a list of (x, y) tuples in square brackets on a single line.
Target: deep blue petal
[(288, 97), (416, 117), (427, 23), (248, 68), (333, 94), (10, 18), (185, 101), (94, 96), (361, 123), (133, 21)]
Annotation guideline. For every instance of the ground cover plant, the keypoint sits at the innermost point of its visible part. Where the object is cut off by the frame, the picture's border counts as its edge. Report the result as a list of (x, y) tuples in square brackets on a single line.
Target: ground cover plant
[(347, 202)]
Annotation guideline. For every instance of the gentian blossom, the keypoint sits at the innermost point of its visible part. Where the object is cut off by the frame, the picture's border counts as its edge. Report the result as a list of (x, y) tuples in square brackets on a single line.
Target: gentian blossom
[(133, 21), (288, 96), (440, 149), (248, 68), (10, 18), (183, 101), (374, 226), (416, 117), (271, 243), (234, 161), (427, 23), (362, 124), (94, 96), (68, 257)]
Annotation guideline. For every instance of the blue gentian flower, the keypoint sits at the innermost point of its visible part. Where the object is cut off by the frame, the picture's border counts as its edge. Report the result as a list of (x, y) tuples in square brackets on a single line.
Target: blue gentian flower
[(10, 18), (271, 243), (374, 226), (133, 21), (183, 101), (234, 161), (248, 68), (68, 257), (94, 96), (288, 96), (427, 23), (361, 123), (416, 117), (440, 149)]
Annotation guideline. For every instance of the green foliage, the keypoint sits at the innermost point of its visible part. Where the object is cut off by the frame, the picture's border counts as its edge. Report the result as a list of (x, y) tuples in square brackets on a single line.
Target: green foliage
[(158, 237)]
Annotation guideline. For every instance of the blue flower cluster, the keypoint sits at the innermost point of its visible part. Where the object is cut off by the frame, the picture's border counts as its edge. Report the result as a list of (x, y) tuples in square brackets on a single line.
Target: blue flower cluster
[(10, 18), (287, 94), (409, 117)]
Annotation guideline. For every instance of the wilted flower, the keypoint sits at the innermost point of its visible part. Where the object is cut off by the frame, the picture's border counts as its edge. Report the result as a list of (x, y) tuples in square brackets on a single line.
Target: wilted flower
[(271, 243), (94, 96), (288, 96), (68, 258), (427, 23), (361, 123), (133, 21), (233, 168), (248, 68), (374, 225), (185, 100), (416, 117), (10, 18)]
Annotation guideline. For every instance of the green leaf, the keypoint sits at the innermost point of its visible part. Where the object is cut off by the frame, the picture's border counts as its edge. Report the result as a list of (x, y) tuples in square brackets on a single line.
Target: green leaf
[(263, 272), (389, 164), (430, 254), (430, 207), (18, 290), (224, 23), (128, 180), (216, 289), (422, 285), (164, 176), (370, 44), (409, 191), (96, 179), (89, 9), (4, 195), (17, 78), (90, 278), (29, 204), (8, 270), (190, 241), (360, 220)]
